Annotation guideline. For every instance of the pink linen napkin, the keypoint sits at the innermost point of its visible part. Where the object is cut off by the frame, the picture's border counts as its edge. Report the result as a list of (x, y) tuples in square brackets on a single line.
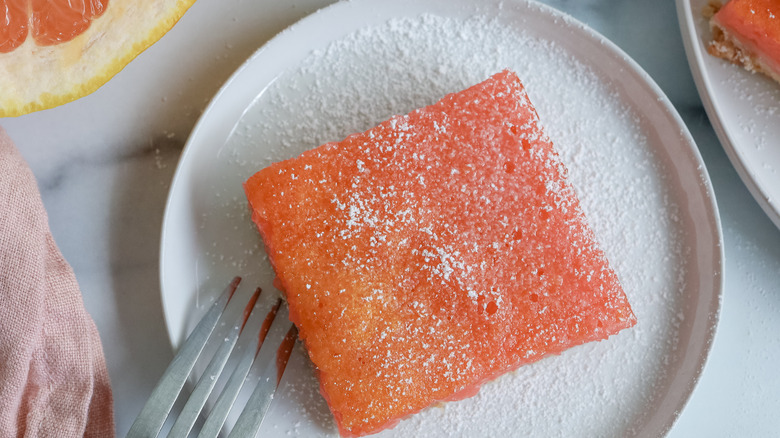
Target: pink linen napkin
[(53, 378)]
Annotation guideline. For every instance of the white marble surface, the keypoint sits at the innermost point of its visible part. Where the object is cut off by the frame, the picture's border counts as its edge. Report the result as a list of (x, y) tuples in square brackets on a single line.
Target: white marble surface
[(104, 164)]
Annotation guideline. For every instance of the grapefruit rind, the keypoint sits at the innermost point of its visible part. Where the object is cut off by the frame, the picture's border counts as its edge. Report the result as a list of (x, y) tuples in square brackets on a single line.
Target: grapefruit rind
[(34, 77)]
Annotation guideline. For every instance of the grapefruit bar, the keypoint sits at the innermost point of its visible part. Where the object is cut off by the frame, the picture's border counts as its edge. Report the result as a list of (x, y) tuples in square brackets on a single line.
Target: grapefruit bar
[(747, 33), (432, 253)]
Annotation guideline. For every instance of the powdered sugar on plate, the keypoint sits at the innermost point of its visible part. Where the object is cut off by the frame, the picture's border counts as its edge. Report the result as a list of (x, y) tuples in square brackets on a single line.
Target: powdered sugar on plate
[(616, 163)]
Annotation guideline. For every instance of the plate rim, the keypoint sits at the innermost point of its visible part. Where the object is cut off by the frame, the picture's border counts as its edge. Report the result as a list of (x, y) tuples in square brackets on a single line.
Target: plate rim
[(705, 188)]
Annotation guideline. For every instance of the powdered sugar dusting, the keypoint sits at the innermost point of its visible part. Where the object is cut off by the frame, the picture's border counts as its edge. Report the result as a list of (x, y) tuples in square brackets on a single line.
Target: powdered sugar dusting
[(593, 390)]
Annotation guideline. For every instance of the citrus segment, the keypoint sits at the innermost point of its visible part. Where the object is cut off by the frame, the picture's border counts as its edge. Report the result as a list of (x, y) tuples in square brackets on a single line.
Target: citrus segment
[(57, 21), (13, 13), (55, 51)]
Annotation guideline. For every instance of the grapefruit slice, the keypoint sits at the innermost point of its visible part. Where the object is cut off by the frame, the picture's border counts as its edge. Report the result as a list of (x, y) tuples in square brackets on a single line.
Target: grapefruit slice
[(432, 253), (55, 51)]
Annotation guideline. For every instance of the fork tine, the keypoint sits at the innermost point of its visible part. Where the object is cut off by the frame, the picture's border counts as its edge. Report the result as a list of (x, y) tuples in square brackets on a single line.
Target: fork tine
[(189, 414), (281, 334), (155, 411), (219, 413)]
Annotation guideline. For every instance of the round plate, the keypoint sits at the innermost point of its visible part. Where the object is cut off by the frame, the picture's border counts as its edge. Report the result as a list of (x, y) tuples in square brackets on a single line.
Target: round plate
[(634, 165), (742, 106)]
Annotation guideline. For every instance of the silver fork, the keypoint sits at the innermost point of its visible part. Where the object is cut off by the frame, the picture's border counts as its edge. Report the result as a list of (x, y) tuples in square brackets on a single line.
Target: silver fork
[(275, 341)]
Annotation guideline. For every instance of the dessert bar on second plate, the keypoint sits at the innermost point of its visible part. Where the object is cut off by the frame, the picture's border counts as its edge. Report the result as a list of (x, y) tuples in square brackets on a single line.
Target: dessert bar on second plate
[(747, 33)]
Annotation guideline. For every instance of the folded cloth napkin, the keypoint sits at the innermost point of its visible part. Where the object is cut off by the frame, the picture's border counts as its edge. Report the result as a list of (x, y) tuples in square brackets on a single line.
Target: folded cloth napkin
[(53, 378)]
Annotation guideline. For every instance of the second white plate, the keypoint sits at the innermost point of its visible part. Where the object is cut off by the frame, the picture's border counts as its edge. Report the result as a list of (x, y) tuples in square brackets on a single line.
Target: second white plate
[(743, 107), (638, 174)]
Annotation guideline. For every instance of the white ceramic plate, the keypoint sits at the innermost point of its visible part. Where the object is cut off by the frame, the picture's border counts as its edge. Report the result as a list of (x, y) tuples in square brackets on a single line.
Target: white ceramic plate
[(641, 181), (743, 108)]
